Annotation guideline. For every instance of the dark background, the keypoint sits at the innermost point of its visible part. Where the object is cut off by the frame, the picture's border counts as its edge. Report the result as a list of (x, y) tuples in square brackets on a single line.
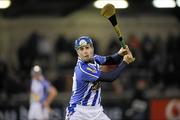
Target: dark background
[(42, 32)]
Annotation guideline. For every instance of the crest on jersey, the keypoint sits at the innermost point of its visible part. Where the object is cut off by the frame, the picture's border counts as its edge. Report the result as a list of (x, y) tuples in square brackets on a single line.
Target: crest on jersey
[(90, 69)]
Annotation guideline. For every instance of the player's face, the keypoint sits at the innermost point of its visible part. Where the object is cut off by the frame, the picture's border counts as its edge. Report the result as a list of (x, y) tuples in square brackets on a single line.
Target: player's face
[(86, 52), (37, 76)]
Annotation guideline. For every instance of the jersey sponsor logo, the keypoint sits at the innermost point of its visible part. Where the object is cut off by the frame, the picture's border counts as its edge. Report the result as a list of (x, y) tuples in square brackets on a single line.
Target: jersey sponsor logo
[(90, 69)]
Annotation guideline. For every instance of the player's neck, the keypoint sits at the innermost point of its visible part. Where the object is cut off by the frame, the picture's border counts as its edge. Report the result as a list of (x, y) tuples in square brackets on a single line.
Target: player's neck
[(88, 61)]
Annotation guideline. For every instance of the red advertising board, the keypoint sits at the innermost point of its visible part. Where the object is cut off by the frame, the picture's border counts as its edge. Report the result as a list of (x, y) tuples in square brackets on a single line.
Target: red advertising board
[(165, 109)]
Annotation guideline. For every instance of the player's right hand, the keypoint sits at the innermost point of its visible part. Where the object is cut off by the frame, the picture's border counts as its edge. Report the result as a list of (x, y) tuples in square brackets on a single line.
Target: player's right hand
[(128, 58)]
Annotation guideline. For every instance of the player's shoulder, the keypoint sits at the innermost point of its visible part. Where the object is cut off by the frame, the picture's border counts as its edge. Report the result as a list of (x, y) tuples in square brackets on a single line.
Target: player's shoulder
[(96, 56), (80, 69), (99, 59), (84, 67), (81, 65), (44, 81)]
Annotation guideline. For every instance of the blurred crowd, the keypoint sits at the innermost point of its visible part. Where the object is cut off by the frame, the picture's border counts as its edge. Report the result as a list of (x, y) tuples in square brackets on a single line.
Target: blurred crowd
[(156, 63)]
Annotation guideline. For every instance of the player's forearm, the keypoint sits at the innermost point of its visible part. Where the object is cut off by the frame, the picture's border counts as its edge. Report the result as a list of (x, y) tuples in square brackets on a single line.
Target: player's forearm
[(51, 96), (112, 75), (113, 59)]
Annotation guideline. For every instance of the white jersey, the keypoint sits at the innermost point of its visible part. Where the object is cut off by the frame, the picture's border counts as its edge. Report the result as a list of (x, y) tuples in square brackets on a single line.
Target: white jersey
[(39, 93), (39, 90)]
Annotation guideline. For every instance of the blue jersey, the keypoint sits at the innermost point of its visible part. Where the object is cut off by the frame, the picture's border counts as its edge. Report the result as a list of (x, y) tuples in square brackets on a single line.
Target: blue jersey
[(86, 89)]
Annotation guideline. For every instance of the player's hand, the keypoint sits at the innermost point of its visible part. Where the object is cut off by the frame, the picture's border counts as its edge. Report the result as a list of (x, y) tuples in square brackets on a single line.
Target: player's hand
[(128, 58), (127, 55), (123, 51)]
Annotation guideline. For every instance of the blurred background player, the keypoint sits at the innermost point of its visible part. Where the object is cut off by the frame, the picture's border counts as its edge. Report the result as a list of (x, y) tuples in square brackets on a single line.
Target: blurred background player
[(85, 102), (42, 95)]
